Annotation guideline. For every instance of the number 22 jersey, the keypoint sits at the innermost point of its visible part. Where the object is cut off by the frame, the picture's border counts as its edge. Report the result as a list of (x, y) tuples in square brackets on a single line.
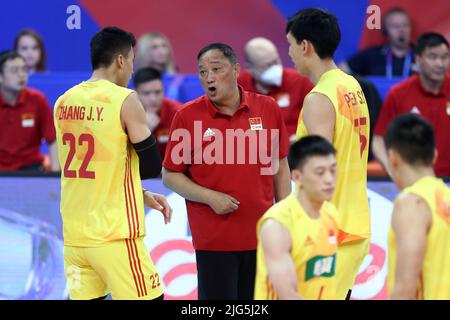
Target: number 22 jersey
[(101, 194)]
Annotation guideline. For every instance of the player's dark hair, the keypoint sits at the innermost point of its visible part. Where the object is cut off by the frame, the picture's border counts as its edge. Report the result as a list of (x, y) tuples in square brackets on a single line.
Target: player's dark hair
[(108, 43), (319, 27), (227, 51), (413, 138), (145, 75), (6, 56), (429, 40), (307, 147)]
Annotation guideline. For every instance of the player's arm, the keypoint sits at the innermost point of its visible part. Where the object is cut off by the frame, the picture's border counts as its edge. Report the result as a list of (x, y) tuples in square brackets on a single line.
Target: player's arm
[(134, 122), (282, 180), (411, 220), (379, 150), (276, 244), (319, 116), (220, 202), (53, 155), (389, 111)]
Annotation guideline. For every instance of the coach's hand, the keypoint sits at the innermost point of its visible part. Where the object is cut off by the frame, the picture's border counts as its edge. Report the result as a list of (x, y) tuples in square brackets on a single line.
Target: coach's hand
[(158, 202), (222, 203)]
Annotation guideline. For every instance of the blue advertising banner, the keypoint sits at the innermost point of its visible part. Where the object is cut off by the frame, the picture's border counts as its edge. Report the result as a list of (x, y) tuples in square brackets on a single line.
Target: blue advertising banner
[(31, 256)]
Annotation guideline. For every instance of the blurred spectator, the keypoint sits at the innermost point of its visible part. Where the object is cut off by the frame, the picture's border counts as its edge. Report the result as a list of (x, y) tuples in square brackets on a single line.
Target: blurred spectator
[(30, 46), (374, 102), (266, 75), (25, 119), (154, 50), (160, 110), (392, 59), (426, 93)]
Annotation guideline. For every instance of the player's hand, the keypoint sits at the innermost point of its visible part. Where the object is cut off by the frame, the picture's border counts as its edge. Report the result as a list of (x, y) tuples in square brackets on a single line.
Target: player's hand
[(158, 202), (222, 203)]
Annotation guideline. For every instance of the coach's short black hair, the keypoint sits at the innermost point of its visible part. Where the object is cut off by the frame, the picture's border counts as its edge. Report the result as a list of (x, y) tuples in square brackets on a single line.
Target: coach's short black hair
[(109, 42), (306, 148), (145, 75), (413, 138), (6, 56), (319, 27), (227, 51), (429, 40)]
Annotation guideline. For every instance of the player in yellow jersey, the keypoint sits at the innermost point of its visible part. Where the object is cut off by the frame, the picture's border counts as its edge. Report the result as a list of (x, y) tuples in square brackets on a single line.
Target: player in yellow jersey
[(105, 148), (297, 237), (335, 109), (419, 240)]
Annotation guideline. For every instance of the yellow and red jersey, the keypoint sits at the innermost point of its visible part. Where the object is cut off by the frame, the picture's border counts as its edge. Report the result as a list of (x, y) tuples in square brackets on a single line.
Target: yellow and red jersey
[(314, 245), (351, 140), (434, 281), (101, 194)]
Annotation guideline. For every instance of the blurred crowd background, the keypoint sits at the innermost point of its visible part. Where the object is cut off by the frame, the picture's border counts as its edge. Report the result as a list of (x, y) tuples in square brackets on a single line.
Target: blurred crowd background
[(45, 51)]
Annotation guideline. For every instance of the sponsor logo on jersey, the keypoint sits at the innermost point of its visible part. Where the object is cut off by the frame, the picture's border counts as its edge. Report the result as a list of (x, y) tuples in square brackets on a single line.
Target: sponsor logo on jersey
[(320, 266)]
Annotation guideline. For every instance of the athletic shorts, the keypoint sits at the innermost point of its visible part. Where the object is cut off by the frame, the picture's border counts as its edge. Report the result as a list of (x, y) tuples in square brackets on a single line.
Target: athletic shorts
[(350, 256), (123, 268)]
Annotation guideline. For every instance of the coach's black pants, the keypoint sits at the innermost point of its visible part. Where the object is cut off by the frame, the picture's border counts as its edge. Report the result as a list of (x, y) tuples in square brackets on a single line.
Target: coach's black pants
[(226, 275)]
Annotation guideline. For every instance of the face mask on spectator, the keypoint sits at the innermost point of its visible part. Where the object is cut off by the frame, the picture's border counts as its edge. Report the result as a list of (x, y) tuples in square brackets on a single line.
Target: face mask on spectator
[(273, 75)]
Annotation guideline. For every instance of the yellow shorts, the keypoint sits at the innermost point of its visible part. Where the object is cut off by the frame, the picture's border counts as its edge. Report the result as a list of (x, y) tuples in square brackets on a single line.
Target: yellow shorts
[(350, 256), (123, 268)]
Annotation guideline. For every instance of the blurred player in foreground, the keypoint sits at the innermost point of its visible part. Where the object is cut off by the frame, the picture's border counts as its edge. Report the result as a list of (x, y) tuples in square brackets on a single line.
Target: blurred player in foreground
[(419, 240), (296, 255)]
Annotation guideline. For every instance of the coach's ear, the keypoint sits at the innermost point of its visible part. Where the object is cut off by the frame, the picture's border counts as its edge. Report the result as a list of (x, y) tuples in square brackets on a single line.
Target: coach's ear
[(237, 69)]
